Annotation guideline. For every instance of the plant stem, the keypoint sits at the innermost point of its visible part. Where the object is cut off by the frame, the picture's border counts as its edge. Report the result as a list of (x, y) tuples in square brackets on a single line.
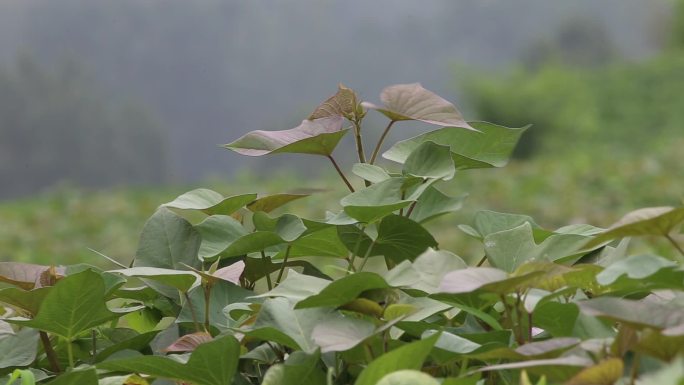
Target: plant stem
[(365, 257), (482, 261), (93, 337), (339, 171), (192, 312), (50, 352), (410, 210), (354, 253), (282, 267), (675, 244), (464, 367), (369, 352), (268, 275), (380, 141), (359, 141), (70, 354), (634, 373), (207, 298)]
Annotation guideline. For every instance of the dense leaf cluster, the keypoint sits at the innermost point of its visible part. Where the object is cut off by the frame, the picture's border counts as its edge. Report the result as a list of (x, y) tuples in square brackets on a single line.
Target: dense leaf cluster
[(223, 291)]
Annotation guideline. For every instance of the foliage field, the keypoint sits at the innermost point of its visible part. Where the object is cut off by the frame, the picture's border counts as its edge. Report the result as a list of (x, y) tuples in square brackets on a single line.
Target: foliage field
[(369, 286)]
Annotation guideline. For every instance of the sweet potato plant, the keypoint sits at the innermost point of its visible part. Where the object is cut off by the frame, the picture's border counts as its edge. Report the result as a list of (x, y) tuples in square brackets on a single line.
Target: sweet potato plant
[(222, 291)]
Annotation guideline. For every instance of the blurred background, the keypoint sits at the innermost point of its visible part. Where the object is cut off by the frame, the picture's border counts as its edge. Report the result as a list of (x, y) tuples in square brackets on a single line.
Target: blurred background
[(110, 108)]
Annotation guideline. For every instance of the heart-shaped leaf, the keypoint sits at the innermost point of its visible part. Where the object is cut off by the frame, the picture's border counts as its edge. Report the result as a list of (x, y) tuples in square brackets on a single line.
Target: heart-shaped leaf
[(344, 290), (316, 137), (430, 160), (638, 314), (299, 369), (647, 221), (168, 241), (297, 286), (413, 102), (181, 280), (68, 309), (338, 333), (29, 300), (269, 203), (634, 267), (370, 172), (492, 146), (509, 249), (80, 377), (407, 377), (378, 200), (343, 103), (280, 322), (606, 372), (485, 279), (26, 275), (189, 342), (212, 363), (18, 349), (434, 203), (409, 356), (210, 202)]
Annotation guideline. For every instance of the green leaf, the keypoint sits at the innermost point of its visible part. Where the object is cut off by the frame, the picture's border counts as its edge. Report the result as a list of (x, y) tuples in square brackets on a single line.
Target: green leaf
[(269, 203), (344, 290), (338, 332), (488, 222), (80, 377), (278, 321), (343, 103), (69, 310), (492, 146), (638, 314), (453, 343), (18, 349), (370, 172), (647, 221), (210, 202), (299, 369), (426, 271), (434, 203), (671, 374), (29, 300), (606, 372), (223, 293), (550, 348), (409, 356), (510, 249), (430, 160), (377, 201), (634, 267), (321, 243), (181, 280), (169, 242), (316, 137), (296, 287), (486, 279), (400, 238), (413, 102), (557, 369), (212, 363), (25, 275), (558, 319), (407, 377), (655, 344), (218, 232)]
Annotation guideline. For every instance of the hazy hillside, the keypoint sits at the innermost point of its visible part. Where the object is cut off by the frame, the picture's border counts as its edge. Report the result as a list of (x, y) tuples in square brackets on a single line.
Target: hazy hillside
[(211, 70)]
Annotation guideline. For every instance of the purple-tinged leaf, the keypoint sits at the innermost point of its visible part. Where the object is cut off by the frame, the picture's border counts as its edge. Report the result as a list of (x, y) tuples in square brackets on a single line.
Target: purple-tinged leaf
[(316, 137)]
